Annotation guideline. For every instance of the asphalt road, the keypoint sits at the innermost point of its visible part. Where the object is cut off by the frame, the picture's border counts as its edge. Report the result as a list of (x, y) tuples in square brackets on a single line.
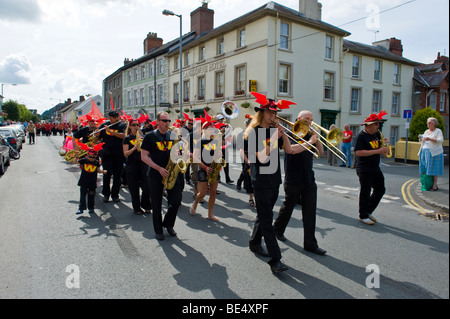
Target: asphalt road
[(49, 252)]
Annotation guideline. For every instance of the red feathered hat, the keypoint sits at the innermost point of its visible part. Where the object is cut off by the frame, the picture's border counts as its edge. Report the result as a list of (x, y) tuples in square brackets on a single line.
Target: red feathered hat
[(374, 118), (269, 104)]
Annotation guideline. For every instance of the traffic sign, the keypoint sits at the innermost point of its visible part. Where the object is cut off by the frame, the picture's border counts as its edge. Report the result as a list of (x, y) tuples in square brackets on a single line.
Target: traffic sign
[(407, 114)]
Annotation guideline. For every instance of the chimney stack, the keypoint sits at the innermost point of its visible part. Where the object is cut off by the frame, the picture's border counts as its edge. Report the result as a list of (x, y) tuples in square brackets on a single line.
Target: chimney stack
[(152, 41), (311, 9), (202, 19), (81, 98), (395, 46)]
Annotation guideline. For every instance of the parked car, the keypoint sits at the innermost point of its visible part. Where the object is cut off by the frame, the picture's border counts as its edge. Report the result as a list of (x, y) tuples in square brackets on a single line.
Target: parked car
[(4, 155), (12, 137), (20, 130)]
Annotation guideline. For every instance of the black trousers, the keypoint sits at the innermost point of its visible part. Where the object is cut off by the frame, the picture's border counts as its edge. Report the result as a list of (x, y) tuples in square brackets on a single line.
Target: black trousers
[(137, 179), (265, 201), (30, 137), (308, 195), (368, 201), (90, 193), (113, 164), (174, 197)]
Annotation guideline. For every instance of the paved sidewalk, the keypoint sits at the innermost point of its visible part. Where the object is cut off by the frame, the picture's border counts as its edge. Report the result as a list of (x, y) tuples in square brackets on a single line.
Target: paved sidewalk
[(437, 198)]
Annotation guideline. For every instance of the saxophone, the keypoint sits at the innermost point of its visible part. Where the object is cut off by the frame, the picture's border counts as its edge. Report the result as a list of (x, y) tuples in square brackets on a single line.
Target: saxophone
[(216, 166), (383, 144), (180, 165), (70, 155)]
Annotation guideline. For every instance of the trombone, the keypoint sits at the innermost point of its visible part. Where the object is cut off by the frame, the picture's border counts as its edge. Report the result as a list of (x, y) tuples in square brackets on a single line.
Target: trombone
[(300, 127), (333, 138)]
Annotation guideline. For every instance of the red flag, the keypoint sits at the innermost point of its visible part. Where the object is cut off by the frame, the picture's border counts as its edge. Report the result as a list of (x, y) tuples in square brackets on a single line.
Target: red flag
[(112, 104), (95, 113)]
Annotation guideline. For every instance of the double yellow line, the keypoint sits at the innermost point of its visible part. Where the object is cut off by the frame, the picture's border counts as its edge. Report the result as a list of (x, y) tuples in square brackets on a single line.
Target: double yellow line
[(408, 198)]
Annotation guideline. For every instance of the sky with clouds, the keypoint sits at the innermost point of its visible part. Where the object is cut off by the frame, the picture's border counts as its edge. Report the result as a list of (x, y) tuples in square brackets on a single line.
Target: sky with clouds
[(59, 49)]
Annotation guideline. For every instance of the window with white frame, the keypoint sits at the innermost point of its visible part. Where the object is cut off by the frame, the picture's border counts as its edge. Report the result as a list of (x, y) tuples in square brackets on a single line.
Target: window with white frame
[(241, 38), (433, 100), (356, 67), (160, 66), (151, 69), (202, 53), (329, 47), (284, 79), (329, 86), (136, 74), (176, 63), (220, 46), (377, 71), (129, 98), (240, 80), (142, 95), (143, 72), (136, 98), (176, 93), (442, 103), (395, 104), (160, 93), (355, 100), (394, 135), (201, 88), (151, 95), (396, 78), (376, 101), (187, 59), (220, 84), (129, 76), (284, 36), (186, 90)]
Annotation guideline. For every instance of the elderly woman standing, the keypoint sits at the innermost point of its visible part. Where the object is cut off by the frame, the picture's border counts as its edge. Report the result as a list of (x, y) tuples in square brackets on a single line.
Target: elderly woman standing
[(431, 159)]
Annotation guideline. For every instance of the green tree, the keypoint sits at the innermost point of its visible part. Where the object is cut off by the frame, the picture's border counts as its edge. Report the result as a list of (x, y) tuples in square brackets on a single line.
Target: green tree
[(419, 122), (12, 108)]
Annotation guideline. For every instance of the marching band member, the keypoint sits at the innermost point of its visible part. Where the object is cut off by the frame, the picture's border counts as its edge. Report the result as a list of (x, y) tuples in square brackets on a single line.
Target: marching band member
[(136, 170), (112, 155), (264, 138), (207, 150), (90, 166), (155, 153), (299, 183)]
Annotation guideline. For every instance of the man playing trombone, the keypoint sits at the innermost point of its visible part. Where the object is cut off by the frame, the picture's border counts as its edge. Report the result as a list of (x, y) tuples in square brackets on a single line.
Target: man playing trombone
[(299, 183)]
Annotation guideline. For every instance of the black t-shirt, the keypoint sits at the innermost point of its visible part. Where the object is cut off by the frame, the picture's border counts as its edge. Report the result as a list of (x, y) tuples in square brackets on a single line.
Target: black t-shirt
[(159, 147), (135, 157), (268, 174), (366, 141), (207, 149), (88, 177), (112, 142), (83, 133), (298, 168)]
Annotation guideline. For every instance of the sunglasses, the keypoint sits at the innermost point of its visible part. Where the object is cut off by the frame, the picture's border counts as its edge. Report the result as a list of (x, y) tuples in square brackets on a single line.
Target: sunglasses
[(165, 121), (134, 124)]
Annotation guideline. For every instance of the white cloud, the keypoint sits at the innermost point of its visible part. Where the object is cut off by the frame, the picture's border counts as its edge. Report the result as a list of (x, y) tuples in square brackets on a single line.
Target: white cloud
[(15, 68)]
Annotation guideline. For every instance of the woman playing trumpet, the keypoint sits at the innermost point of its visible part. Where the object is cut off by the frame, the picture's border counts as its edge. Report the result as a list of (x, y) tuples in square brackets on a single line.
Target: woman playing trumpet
[(207, 151), (136, 170)]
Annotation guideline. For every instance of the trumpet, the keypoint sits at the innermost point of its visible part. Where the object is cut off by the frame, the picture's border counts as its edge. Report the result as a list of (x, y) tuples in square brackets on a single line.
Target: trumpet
[(299, 129), (333, 138), (383, 144), (104, 127), (230, 110)]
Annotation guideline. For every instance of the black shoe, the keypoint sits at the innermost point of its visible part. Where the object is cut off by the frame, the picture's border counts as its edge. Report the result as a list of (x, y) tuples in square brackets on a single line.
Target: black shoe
[(278, 267), (105, 199), (160, 236), (116, 200), (281, 237), (257, 249), (171, 232), (342, 165), (317, 250), (238, 187), (230, 181), (79, 212)]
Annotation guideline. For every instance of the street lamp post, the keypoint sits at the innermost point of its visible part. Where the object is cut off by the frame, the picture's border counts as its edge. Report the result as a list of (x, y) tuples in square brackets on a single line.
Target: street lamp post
[(170, 13), (1, 102)]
